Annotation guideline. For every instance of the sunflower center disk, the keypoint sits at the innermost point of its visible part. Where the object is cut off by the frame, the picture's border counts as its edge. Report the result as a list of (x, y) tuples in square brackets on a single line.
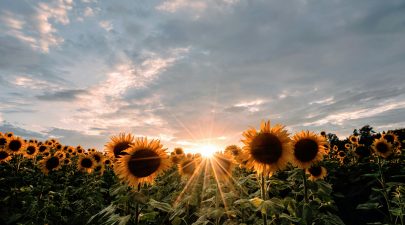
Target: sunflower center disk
[(119, 147), (266, 148), (382, 147), (305, 150), (315, 171), (52, 163), (143, 163), (14, 145), (3, 154), (86, 163), (31, 150)]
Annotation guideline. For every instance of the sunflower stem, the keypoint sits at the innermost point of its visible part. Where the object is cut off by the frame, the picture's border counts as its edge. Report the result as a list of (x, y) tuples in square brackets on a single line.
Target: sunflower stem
[(305, 186), (384, 192), (137, 211), (263, 195)]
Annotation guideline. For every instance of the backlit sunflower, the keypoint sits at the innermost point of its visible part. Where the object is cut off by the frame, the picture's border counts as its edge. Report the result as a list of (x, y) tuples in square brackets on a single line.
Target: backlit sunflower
[(107, 162), (9, 134), (15, 145), (236, 153), (267, 150), (335, 148), (71, 150), (341, 155), (60, 154), (86, 163), (143, 163), (3, 141), (48, 164), (5, 156), (382, 148), (187, 167), (222, 165), (176, 159), (79, 150), (178, 151), (308, 148), (390, 137), (67, 162), (362, 151), (118, 144), (323, 134), (354, 139), (316, 173), (42, 148), (98, 157), (31, 151), (347, 145)]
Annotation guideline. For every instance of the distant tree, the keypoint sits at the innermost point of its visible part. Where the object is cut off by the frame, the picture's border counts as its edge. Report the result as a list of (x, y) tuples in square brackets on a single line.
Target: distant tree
[(366, 135)]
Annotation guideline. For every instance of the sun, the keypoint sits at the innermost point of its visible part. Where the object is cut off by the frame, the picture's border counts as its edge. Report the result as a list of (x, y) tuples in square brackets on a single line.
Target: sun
[(207, 150)]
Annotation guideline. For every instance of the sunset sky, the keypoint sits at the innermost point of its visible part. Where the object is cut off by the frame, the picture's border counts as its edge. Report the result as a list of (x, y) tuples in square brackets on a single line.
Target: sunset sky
[(199, 72)]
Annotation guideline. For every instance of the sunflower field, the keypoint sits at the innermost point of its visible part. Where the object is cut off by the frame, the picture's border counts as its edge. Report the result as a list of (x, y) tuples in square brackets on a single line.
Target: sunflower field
[(273, 177)]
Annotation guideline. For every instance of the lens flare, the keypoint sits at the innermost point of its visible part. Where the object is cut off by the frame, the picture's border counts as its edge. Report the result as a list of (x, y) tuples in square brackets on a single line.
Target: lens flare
[(208, 150)]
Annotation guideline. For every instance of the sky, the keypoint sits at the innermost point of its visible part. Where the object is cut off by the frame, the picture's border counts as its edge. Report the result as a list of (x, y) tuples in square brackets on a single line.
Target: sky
[(199, 72)]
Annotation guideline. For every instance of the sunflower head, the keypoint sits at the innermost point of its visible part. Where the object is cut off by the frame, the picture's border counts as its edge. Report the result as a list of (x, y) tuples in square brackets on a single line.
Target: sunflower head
[(42, 148), (267, 150), (308, 148), (187, 167), (67, 162), (60, 154), (335, 148), (323, 133), (3, 141), (9, 134), (362, 151), (390, 137), (347, 145), (316, 172), (354, 139), (5, 156), (382, 148), (176, 159), (118, 144), (15, 145), (98, 157), (86, 163), (99, 169), (31, 150), (50, 163), (178, 151), (143, 163)]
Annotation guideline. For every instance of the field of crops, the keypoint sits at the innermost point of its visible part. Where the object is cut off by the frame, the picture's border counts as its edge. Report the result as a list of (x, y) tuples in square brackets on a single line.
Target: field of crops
[(270, 177)]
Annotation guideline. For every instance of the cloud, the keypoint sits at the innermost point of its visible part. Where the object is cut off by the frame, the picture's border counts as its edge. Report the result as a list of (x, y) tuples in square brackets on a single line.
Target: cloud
[(106, 25), (64, 95)]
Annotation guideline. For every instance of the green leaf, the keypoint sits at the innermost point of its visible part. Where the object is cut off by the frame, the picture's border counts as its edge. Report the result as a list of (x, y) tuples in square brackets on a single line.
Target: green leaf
[(290, 218), (165, 207), (368, 205)]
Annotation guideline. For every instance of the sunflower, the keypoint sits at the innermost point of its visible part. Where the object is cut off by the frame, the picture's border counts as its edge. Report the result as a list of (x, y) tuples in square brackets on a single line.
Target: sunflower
[(107, 162), (341, 155), (354, 139), (9, 134), (42, 148), (98, 157), (3, 141), (382, 148), (118, 144), (31, 151), (176, 159), (323, 134), (335, 148), (79, 150), (187, 167), (236, 153), (99, 169), (71, 150), (316, 173), (60, 154), (15, 145), (178, 151), (267, 150), (86, 163), (5, 156), (46, 153), (67, 162), (50, 163), (362, 151), (308, 148), (347, 145), (222, 166), (143, 163), (390, 137), (58, 147)]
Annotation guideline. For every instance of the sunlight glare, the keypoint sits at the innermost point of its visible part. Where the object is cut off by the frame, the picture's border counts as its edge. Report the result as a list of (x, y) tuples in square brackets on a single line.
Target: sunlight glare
[(207, 150)]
